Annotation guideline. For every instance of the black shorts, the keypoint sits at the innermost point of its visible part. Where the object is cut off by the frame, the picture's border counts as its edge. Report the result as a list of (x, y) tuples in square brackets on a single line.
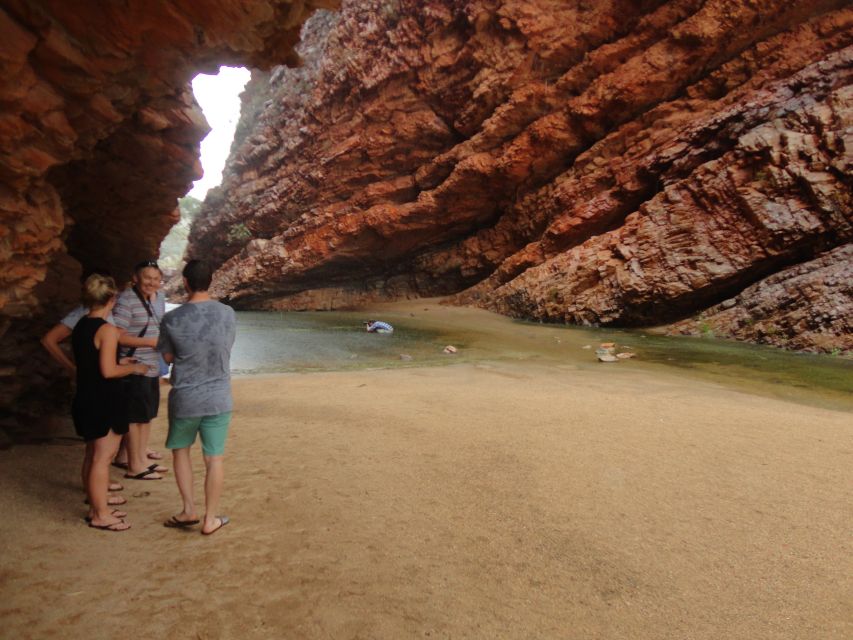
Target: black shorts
[(143, 398)]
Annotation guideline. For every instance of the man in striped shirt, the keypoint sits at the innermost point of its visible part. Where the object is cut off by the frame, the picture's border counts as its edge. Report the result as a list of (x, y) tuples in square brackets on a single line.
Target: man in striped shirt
[(137, 313)]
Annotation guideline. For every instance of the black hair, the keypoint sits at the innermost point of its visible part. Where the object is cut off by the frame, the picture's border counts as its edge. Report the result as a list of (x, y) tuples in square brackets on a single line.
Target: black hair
[(198, 274), (145, 264)]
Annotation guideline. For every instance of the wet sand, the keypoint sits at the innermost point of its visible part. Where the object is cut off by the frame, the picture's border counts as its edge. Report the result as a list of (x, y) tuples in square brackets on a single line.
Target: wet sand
[(478, 500)]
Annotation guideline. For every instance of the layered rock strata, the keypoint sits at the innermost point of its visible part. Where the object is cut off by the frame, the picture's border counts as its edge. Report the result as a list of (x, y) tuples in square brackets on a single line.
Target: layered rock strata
[(615, 162), (807, 307), (99, 136)]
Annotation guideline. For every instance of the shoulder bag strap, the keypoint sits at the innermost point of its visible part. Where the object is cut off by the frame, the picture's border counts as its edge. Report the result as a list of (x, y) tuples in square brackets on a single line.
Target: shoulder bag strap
[(142, 333)]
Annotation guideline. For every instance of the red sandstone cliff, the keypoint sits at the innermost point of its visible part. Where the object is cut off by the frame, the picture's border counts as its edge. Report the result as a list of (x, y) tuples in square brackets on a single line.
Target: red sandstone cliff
[(613, 162), (99, 136)]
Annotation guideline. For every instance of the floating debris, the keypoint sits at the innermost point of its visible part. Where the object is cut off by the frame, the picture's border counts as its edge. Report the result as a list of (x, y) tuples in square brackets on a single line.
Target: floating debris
[(450, 349), (405, 357)]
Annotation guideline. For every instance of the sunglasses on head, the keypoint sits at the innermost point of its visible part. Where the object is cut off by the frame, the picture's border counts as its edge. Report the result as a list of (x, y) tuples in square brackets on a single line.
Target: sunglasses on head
[(146, 264)]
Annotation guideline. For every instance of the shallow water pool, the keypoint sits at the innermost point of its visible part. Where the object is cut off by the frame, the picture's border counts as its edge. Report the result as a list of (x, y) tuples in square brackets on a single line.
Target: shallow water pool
[(270, 342)]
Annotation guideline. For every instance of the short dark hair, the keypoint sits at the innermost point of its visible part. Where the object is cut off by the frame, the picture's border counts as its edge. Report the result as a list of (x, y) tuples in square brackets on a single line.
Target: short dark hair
[(145, 264), (198, 274)]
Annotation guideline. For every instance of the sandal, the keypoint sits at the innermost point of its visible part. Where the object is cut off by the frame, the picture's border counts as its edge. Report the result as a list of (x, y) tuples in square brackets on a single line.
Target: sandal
[(143, 475), (174, 523), (223, 520), (114, 512), (111, 527)]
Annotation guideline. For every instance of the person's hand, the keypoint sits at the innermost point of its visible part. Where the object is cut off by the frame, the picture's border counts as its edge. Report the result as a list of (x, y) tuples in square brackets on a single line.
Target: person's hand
[(140, 369), (128, 360)]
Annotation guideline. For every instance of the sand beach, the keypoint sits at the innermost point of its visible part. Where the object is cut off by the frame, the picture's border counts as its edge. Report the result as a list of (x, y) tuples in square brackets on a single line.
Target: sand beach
[(477, 500)]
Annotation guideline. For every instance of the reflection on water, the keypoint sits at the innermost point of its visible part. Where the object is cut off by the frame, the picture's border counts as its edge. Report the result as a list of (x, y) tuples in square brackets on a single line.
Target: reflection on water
[(269, 342), (318, 341)]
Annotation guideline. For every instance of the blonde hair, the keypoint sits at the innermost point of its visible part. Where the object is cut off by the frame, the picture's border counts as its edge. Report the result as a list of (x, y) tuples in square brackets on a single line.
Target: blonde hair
[(98, 290)]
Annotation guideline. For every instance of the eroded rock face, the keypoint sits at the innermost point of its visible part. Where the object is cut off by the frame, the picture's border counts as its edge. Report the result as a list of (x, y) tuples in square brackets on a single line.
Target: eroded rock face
[(99, 135), (614, 162), (808, 307)]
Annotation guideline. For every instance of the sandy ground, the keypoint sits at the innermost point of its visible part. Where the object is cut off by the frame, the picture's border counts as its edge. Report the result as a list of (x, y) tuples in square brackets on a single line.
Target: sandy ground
[(470, 501)]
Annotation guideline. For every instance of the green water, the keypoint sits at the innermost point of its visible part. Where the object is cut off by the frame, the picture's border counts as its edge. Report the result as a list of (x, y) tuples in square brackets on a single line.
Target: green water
[(270, 342)]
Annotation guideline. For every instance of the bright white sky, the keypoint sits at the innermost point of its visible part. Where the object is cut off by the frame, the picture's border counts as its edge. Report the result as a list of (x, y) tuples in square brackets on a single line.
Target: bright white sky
[(219, 97)]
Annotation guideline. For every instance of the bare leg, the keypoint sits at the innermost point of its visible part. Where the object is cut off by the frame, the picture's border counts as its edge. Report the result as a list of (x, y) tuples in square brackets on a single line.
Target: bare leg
[(137, 462), (87, 464), (104, 450), (145, 437), (111, 486), (184, 478), (214, 479), (121, 456)]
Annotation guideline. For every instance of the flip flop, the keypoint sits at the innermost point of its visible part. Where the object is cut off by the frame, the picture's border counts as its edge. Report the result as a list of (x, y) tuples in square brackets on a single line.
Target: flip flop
[(109, 527), (113, 501), (157, 468), (142, 475), (223, 520), (114, 512), (174, 523)]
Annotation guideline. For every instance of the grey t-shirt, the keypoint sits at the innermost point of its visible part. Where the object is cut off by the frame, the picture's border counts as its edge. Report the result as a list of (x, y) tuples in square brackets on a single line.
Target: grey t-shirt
[(200, 336)]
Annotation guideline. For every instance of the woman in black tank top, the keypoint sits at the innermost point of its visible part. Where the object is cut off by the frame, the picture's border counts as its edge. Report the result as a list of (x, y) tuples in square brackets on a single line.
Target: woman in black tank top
[(99, 406)]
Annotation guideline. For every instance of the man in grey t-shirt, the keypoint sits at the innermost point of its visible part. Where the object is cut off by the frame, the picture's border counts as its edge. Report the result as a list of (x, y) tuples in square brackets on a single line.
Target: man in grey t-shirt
[(197, 338)]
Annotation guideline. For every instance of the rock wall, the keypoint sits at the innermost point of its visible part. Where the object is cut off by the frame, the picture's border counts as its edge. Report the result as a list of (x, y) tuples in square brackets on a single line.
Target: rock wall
[(99, 136), (615, 162), (808, 307)]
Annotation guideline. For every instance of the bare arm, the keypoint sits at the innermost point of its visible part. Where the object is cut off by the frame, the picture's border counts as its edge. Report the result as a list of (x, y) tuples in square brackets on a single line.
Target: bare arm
[(106, 340), (50, 341), (128, 340), (168, 357)]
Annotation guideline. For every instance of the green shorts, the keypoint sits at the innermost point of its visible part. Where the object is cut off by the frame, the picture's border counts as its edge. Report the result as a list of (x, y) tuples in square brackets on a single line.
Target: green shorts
[(213, 430)]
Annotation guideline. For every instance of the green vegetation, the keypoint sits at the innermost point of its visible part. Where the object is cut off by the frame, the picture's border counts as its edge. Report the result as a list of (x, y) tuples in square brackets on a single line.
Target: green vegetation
[(239, 234), (173, 246)]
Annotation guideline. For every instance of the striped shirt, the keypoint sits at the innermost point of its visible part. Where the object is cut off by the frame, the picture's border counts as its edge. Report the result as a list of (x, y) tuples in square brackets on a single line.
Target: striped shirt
[(130, 315), (377, 326)]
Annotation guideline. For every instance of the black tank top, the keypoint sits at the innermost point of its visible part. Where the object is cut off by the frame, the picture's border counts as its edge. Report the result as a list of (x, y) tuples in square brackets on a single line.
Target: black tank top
[(90, 382), (99, 403)]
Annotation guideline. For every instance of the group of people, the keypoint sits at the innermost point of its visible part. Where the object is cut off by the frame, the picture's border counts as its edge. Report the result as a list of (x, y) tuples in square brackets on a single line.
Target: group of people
[(121, 342)]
